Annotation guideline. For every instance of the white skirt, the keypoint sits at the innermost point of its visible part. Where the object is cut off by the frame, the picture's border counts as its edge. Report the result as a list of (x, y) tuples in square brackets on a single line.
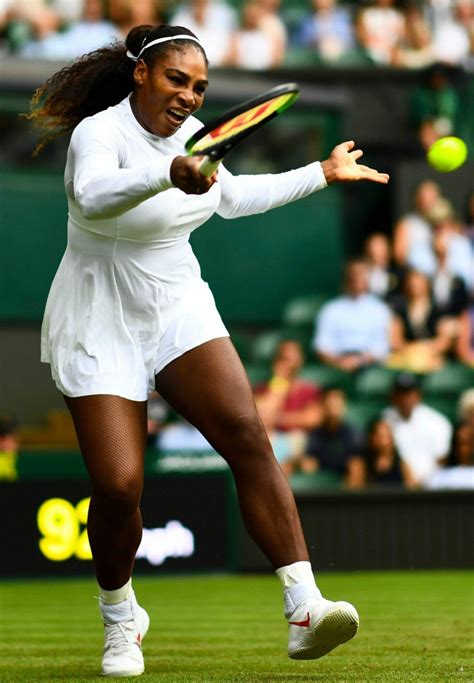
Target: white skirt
[(120, 310)]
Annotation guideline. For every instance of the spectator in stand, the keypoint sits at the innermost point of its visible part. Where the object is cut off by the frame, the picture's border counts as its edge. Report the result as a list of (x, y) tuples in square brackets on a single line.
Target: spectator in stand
[(462, 452), (9, 444), (354, 330), (436, 107), (469, 219), (335, 446), (422, 337), (452, 37), (412, 238), (450, 297), (416, 48), (383, 462), (129, 13), (380, 29), (92, 32), (385, 278), (460, 257), (422, 435), (214, 23), (273, 24), (465, 341), (288, 405), (255, 45), (29, 20), (327, 30)]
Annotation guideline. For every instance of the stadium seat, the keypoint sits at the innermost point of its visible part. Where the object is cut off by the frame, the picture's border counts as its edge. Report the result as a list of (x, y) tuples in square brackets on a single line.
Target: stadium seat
[(258, 373), (451, 380), (325, 375), (301, 312), (301, 482), (374, 382), (446, 406), (264, 346), (362, 413), (242, 343)]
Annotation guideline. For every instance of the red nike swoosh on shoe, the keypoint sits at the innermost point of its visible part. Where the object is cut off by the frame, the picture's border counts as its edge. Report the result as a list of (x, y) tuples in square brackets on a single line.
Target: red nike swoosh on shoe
[(306, 622)]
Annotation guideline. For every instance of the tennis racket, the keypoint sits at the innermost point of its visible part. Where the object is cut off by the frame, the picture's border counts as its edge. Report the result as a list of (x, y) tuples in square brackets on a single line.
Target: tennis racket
[(221, 134)]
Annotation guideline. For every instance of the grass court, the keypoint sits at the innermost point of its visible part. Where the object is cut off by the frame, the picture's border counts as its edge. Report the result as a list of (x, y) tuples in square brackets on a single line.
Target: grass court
[(415, 627)]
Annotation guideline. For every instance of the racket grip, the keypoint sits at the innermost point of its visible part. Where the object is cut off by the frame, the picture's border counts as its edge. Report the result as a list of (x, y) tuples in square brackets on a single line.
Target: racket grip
[(208, 166)]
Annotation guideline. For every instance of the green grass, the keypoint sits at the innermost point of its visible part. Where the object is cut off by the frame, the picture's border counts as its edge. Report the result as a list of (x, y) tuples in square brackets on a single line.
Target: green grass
[(415, 627)]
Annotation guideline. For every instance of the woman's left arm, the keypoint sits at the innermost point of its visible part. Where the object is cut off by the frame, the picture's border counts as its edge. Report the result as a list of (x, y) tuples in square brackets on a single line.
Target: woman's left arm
[(245, 195)]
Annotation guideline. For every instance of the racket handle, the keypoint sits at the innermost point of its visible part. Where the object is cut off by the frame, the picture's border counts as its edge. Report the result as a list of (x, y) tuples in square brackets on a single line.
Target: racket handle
[(208, 166)]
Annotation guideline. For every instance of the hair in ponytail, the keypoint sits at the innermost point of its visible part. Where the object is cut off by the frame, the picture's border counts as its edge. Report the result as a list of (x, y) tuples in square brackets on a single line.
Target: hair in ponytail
[(98, 80)]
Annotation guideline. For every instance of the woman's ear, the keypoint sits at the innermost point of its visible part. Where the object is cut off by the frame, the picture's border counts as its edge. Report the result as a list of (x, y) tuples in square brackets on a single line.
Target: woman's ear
[(141, 72)]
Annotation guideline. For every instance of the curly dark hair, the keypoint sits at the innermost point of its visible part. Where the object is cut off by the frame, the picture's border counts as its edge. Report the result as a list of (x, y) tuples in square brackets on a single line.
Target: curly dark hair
[(99, 80)]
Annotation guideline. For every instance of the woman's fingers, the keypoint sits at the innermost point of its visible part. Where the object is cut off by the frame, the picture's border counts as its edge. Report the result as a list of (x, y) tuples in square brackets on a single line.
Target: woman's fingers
[(356, 154)]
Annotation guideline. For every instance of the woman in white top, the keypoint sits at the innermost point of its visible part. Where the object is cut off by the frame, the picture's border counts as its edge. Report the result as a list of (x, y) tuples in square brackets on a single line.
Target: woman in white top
[(129, 312)]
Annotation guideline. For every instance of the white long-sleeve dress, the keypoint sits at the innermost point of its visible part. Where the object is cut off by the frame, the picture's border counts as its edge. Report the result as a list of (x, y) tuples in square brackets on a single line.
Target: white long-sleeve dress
[(128, 297)]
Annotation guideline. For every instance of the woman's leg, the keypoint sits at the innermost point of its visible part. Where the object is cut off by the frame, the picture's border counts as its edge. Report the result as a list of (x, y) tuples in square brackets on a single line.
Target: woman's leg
[(112, 435), (209, 388)]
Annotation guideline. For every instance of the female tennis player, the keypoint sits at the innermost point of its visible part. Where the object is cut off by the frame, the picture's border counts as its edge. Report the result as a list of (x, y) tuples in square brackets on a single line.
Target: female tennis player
[(128, 312)]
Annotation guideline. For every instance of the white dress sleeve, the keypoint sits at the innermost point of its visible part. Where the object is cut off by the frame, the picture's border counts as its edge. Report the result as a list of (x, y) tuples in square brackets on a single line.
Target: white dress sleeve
[(244, 195), (95, 180)]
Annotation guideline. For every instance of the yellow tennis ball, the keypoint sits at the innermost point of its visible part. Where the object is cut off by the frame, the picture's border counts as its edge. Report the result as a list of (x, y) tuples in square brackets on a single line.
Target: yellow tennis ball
[(447, 154)]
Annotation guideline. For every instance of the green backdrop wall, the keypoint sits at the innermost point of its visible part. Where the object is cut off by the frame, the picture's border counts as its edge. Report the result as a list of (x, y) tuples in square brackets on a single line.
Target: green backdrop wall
[(254, 265)]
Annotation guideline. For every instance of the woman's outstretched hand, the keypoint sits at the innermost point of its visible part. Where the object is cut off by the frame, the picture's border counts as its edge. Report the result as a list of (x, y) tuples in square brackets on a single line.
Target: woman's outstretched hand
[(342, 166)]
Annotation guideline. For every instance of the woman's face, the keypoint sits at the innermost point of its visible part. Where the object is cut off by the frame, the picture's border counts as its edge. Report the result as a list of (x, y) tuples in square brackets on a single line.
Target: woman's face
[(417, 286), (170, 91), (381, 436)]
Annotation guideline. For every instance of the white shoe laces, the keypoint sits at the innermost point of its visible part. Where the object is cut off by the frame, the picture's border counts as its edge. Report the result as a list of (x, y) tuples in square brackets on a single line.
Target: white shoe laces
[(120, 636)]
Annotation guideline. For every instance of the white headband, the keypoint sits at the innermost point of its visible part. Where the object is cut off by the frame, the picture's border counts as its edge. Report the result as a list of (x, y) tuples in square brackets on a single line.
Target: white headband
[(182, 36)]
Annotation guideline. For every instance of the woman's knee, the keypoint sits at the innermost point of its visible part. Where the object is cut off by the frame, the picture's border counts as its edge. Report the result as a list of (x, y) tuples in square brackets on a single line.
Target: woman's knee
[(119, 497), (244, 435)]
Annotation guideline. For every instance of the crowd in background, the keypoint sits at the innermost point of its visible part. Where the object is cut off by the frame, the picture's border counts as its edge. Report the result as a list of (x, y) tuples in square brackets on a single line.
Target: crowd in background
[(407, 304), (254, 34)]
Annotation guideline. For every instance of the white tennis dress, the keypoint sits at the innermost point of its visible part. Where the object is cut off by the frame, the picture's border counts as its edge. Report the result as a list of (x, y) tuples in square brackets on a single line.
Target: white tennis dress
[(128, 297)]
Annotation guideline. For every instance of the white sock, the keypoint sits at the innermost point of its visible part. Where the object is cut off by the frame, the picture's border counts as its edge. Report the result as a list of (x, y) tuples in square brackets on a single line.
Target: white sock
[(298, 584), (117, 605), (117, 595)]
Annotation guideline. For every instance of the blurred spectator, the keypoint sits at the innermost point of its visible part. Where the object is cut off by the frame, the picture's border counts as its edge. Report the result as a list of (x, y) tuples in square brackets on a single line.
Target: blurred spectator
[(9, 444), (213, 22), (380, 29), (92, 32), (383, 462), (422, 435), (157, 413), (385, 278), (422, 336), (469, 224), (335, 446), (465, 341), (416, 48), (256, 44), (182, 436), (288, 405), (449, 289), (327, 30), (412, 238), (463, 445), (460, 257), (129, 13), (436, 106), (355, 329), (275, 27), (452, 39), (28, 20)]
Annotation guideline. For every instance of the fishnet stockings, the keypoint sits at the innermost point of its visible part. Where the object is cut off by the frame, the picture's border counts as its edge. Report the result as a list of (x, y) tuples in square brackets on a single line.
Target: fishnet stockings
[(112, 435), (208, 386)]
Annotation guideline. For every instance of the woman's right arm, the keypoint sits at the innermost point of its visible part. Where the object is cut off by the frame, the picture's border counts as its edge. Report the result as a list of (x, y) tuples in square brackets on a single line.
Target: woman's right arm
[(100, 187)]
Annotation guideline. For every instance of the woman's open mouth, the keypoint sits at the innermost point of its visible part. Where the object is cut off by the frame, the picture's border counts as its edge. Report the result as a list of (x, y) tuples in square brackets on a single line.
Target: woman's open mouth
[(176, 115)]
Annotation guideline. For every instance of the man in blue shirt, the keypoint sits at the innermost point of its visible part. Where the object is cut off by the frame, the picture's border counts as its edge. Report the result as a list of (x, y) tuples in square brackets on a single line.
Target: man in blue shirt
[(354, 330)]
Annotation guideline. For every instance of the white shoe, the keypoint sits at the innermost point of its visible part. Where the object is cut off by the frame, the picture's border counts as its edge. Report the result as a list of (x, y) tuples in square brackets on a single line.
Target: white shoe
[(123, 645), (317, 626)]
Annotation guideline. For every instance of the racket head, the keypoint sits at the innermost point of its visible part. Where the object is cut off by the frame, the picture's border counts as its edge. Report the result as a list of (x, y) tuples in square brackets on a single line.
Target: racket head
[(222, 133)]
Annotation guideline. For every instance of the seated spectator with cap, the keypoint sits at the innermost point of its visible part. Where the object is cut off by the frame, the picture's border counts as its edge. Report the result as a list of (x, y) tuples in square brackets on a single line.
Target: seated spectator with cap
[(335, 446), (288, 405), (355, 329), (422, 435)]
